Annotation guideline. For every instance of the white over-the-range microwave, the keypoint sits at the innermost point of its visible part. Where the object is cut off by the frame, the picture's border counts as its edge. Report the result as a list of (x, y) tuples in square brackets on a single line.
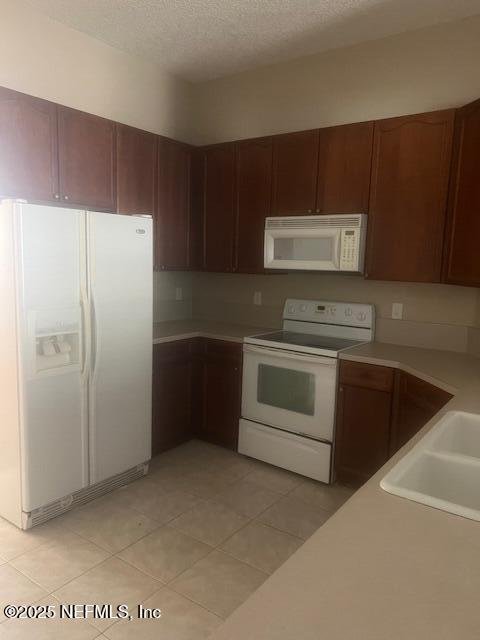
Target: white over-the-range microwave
[(333, 242)]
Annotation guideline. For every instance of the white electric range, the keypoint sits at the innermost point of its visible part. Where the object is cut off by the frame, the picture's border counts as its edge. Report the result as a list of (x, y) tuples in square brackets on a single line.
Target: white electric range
[(290, 381)]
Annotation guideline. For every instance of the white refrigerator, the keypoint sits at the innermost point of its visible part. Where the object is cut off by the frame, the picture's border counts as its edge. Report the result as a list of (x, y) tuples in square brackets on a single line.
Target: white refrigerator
[(75, 356)]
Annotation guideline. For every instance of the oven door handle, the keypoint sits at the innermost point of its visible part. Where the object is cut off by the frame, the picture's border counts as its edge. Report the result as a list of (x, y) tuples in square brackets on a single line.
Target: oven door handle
[(289, 355)]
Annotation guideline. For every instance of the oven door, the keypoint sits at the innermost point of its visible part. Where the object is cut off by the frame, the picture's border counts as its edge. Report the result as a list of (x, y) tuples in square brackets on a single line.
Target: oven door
[(307, 249), (291, 391)]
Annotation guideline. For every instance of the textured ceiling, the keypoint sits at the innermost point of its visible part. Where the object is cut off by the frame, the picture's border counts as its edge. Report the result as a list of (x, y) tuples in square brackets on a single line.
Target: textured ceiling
[(202, 40)]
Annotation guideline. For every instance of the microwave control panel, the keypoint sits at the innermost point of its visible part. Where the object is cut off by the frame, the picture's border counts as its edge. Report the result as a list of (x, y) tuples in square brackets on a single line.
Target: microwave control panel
[(349, 249)]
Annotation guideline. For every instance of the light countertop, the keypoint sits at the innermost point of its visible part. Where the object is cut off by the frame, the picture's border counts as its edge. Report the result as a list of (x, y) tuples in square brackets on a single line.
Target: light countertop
[(381, 568), (448, 370), (183, 329)]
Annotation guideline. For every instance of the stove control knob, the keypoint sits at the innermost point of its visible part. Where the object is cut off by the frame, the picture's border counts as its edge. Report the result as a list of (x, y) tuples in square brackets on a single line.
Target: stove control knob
[(362, 316), (303, 307), (348, 312), (291, 308)]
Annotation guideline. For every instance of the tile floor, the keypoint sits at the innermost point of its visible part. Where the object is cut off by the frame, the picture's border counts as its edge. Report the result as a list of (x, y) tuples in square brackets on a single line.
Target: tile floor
[(195, 538)]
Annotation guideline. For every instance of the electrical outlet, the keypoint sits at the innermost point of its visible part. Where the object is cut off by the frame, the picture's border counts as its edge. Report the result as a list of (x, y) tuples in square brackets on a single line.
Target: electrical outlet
[(397, 310), (178, 294), (257, 298)]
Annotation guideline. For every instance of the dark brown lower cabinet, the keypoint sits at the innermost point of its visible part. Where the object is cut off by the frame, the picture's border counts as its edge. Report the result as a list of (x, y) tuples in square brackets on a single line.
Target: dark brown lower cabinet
[(364, 407), (173, 393), (416, 402), (221, 393), (196, 392), (378, 411)]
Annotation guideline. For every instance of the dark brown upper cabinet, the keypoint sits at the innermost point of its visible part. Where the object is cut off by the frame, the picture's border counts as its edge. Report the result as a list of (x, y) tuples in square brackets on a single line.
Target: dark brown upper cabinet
[(136, 170), (462, 263), (219, 215), (408, 193), (197, 184), (295, 169), (28, 147), (253, 202), (173, 208), (344, 165), (86, 159)]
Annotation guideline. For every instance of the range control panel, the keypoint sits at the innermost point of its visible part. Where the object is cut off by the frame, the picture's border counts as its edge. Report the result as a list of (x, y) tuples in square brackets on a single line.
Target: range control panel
[(348, 314)]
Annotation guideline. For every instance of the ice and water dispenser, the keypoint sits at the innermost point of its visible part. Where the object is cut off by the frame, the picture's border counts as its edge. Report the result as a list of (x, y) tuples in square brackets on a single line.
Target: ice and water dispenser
[(56, 336)]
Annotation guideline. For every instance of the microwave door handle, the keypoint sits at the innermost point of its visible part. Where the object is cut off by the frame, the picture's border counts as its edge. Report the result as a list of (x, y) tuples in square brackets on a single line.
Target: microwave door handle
[(336, 250)]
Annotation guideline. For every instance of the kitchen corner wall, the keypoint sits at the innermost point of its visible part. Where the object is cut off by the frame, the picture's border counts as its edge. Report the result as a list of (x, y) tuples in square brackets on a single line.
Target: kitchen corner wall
[(435, 316), (47, 59)]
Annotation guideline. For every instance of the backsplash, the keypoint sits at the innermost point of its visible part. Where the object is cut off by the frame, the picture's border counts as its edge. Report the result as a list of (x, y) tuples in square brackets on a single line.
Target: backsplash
[(474, 333), (165, 305), (434, 315)]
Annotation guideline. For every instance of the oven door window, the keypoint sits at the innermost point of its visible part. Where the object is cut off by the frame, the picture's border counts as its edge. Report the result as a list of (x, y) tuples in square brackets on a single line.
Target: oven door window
[(286, 389)]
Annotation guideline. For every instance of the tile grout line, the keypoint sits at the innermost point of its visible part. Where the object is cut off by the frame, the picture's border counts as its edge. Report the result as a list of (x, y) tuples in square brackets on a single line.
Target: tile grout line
[(168, 585)]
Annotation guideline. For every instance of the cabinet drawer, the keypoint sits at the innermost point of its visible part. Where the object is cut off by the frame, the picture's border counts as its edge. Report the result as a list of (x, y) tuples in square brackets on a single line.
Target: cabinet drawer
[(223, 349), (368, 376)]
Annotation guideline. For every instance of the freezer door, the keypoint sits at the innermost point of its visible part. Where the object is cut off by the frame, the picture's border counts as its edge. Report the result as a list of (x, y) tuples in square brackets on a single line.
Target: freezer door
[(51, 269), (120, 287)]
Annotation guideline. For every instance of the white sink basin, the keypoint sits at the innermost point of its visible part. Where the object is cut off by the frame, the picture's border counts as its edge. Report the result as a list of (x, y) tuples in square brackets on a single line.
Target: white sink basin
[(443, 469)]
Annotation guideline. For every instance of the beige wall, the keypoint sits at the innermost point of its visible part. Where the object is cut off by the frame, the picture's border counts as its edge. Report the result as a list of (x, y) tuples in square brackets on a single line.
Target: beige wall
[(44, 58), (429, 69), (436, 316)]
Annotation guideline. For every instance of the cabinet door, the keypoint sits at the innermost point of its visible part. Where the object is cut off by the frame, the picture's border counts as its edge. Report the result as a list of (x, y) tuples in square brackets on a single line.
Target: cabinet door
[(28, 147), (173, 209), (87, 159), (295, 169), (410, 169), (463, 255), (253, 200), (222, 388), (219, 222), (197, 188), (416, 402), (362, 433), (344, 165), (173, 386), (136, 168)]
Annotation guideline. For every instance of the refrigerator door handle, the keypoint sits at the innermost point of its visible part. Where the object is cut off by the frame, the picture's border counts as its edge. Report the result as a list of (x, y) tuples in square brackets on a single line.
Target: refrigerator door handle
[(86, 347), (93, 336)]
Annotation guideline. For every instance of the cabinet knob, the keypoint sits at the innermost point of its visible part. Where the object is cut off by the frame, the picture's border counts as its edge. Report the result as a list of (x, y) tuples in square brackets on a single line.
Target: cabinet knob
[(310, 211), (57, 196), (65, 197), (317, 210)]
